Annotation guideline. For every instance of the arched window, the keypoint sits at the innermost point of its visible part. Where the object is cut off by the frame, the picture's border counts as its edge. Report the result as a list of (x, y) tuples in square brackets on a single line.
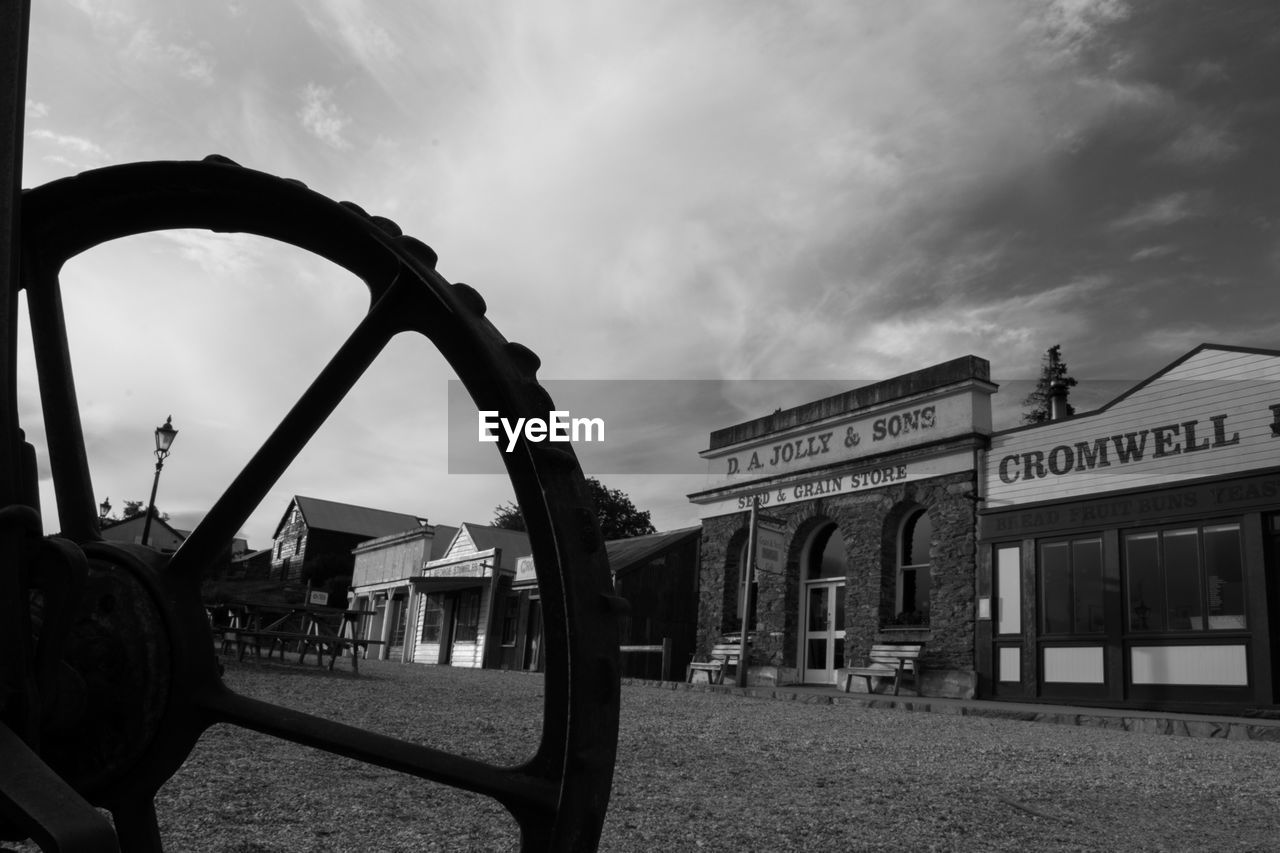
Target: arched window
[(912, 605), (826, 555), (735, 580)]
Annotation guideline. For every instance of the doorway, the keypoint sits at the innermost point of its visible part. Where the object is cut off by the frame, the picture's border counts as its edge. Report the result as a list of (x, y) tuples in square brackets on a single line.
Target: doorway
[(823, 631), (823, 620)]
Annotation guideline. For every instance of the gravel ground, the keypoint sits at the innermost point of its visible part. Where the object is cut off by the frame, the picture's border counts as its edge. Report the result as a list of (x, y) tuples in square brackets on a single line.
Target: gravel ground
[(704, 771)]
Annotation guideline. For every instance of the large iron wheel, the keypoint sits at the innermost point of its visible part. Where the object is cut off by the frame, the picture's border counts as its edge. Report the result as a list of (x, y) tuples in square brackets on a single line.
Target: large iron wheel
[(113, 676)]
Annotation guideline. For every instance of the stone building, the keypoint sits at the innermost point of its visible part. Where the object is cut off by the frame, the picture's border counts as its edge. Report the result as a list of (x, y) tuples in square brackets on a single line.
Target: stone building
[(868, 528)]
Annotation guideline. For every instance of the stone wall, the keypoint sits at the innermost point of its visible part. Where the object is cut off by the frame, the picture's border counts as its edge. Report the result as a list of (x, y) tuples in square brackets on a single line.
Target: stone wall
[(869, 523)]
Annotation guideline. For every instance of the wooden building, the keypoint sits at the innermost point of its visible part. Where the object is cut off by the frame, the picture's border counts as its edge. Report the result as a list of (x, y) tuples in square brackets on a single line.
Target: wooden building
[(162, 536), (457, 596), (381, 584), (318, 537), (658, 576), (1131, 555)]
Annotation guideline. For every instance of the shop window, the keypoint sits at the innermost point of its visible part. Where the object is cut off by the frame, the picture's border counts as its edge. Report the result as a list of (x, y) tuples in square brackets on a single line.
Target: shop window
[(467, 625), (432, 617), (1185, 579), (1008, 589), (510, 618), (912, 595), (1071, 598)]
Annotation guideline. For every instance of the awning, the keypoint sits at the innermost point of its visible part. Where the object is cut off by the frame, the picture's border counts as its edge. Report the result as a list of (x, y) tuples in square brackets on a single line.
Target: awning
[(447, 584)]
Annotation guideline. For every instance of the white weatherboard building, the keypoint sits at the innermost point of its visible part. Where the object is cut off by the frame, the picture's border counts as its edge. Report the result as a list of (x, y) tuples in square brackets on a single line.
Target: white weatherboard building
[(1129, 555)]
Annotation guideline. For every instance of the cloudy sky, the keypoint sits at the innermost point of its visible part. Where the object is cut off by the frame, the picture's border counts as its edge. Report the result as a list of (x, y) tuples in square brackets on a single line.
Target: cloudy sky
[(654, 190)]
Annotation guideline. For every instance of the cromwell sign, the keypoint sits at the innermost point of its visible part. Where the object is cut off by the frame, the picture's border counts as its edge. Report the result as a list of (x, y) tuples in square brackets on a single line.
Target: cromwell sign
[(1156, 442)]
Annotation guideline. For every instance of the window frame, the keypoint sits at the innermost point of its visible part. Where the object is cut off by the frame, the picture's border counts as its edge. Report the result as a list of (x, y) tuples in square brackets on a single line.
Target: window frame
[(1205, 595), (1073, 598), (906, 533)]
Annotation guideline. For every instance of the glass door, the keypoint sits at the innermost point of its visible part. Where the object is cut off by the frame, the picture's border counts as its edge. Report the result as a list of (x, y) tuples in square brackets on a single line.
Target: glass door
[(823, 631)]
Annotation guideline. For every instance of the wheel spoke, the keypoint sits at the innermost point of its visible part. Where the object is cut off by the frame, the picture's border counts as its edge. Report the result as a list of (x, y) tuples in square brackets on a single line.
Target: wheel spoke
[(519, 791), (246, 492), (38, 802), (63, 431), (137, 826)]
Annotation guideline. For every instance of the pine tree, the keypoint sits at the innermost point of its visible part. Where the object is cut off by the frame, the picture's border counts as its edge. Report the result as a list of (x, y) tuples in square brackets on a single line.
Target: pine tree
[(1052, 368)]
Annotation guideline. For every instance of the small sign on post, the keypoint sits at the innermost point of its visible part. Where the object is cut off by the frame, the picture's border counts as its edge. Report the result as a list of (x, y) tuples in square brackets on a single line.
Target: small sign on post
[(318, 598)]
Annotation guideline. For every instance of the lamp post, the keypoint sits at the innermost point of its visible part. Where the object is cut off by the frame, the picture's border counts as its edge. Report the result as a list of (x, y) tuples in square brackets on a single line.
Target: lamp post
[(164, 440), (104, 508)]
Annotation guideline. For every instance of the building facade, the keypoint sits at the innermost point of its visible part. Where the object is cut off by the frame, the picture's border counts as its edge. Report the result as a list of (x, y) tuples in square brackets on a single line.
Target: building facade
[(317, 537), (382, 586), (868, 501), (456, 621), (1128, 556)]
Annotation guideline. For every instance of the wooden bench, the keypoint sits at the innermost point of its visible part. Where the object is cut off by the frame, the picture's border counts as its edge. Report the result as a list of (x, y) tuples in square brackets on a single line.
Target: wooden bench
[(723, 656), (303, 643), (889, 660)]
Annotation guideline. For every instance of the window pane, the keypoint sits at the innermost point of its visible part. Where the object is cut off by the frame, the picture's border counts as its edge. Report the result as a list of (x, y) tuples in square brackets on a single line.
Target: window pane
[(832, 563), (818, 608), (1223, 565), (920, 600), (1087, 572), (1182, 579), (917, 540), (432, 616), (1008, 590), (1146, 591), (467, 624), (1055, 588), (817, 654)]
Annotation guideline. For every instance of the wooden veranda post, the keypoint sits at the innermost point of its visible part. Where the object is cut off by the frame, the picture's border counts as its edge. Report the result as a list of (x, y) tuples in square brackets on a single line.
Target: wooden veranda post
[(741, 679)]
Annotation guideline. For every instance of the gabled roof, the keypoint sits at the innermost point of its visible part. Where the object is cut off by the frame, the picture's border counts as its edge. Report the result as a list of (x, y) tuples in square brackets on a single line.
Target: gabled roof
[(347, 518), (626, 553), (1171, 371), (513, 543), (441, 540), (139, 520)]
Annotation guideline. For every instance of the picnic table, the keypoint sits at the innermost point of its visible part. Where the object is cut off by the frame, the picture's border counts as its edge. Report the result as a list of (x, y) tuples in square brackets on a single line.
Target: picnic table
[(302, 629)]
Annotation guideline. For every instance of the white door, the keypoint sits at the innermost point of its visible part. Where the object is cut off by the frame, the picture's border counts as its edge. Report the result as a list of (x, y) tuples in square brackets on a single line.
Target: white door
[(823, 647)]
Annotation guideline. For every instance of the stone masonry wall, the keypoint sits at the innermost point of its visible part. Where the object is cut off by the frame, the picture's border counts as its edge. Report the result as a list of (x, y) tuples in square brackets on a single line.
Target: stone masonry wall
[(869, 523)]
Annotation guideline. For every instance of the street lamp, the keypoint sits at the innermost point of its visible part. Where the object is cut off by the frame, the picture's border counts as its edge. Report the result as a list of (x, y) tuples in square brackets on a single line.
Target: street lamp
[(164, 440), (104, 508)]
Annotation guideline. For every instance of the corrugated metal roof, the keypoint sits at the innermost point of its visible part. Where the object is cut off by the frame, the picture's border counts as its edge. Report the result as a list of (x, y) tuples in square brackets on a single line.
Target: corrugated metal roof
[(347, 518), (625, 553), (514, 543), (440, 541)]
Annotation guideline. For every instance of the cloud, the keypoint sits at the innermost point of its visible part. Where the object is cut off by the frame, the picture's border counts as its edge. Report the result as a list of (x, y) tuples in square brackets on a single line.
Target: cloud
[(216, 254), (1151, 253), (36, 109), (138, 41), (1200, 144), (74, 145), (1167, 210), (191, 63), (321, 117), (351, 24)]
